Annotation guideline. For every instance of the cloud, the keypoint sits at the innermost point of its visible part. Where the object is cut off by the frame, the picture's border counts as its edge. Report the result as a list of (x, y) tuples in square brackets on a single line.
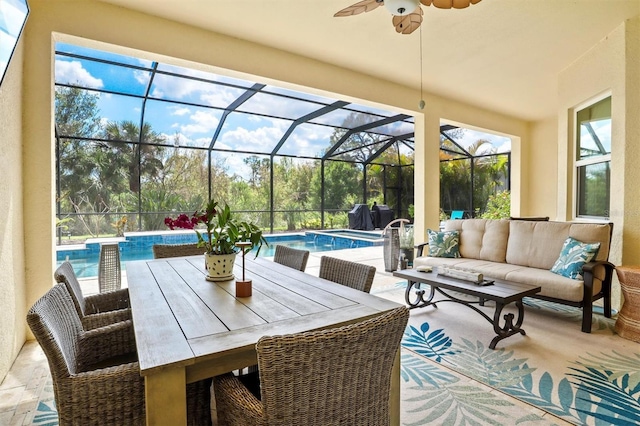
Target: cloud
[(202, 122), (170, 87), (72, 72), (501, 143), (179, 110), (262, 139), (220, 96), (141, 77), (234, 164)]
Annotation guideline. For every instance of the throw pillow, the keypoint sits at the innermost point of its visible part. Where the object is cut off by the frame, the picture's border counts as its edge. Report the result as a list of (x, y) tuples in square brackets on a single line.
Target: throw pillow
[(443, 244), (573, 256)]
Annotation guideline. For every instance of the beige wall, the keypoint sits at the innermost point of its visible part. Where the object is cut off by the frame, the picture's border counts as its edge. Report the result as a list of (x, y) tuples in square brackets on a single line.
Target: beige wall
[(541, 179), (129, 32), (12, 284), (611, 66)]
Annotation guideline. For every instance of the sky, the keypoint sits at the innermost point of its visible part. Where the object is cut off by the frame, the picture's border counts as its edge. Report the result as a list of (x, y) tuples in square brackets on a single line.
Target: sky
[(177, 117), (12, 18)]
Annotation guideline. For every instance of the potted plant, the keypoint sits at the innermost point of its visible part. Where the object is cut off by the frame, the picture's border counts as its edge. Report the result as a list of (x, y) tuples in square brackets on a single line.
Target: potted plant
[(219, 237)]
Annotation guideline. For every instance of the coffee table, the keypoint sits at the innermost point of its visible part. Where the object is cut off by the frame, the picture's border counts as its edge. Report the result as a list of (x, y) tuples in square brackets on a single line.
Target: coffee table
[(502, 292)]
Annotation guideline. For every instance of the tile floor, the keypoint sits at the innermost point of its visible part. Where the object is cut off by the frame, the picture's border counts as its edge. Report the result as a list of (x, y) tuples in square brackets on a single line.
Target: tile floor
[(26, 382)]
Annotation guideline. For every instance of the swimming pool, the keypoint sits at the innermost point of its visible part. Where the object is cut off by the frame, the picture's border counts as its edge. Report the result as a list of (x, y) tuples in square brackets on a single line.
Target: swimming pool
[(139, 246), (375, 237)]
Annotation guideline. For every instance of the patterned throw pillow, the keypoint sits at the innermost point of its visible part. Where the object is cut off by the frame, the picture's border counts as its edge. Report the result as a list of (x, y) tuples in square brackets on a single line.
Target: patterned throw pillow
[(443, 244), (573, 256)]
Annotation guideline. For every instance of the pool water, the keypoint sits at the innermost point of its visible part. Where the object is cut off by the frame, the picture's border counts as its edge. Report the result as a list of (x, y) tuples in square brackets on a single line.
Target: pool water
[(140, 247)]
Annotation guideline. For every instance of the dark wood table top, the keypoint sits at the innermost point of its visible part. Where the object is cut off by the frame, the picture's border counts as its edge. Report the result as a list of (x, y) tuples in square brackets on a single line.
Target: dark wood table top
[(501, 290)]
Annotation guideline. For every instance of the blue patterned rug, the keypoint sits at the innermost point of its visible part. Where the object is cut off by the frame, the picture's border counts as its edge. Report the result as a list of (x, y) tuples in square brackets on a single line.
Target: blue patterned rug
[(451, 377), (583, 379)]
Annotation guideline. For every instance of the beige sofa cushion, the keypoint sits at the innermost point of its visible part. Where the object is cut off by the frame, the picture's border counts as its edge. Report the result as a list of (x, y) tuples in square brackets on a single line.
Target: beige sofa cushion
[(593, 233), (538, 244), (552, 285), (482, 239)]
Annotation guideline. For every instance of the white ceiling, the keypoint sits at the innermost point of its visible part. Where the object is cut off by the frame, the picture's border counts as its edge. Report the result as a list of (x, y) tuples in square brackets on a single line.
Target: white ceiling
[(504, 55)]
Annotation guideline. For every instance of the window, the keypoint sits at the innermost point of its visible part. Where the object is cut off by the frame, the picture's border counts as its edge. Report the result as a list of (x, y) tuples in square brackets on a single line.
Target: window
[(593, 159)]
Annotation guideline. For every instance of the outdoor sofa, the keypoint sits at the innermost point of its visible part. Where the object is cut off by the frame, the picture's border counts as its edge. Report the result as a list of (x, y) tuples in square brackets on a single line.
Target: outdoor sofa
[(568, 260)]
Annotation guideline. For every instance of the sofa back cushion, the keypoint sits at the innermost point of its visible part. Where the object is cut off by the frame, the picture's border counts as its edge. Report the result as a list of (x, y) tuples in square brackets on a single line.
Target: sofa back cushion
[(538, 244), (483, 239)]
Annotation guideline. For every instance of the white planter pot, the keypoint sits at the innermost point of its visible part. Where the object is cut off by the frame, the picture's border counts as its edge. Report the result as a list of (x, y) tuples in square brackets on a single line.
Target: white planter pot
[(219, 266)]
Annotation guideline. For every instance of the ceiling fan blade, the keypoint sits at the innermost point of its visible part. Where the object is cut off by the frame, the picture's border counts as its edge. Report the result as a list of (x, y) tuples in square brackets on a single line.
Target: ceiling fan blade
[(408, 23), (358, 8), (448, 4)]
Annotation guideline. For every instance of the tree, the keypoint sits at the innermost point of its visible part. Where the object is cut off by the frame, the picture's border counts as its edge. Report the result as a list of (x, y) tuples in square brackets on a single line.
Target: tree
[(77, 112), (341, 185), (490, 173), (292, 189), (77, 117), (142, 157), (358, 146), (498, 206), (395, 177)]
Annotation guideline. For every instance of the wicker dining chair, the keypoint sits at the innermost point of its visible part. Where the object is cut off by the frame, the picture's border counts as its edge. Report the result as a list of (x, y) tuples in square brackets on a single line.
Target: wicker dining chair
[(339, 376), (96, 376), (109, 268), (291, 257), (345, 272), (96, 310), (161, 251)]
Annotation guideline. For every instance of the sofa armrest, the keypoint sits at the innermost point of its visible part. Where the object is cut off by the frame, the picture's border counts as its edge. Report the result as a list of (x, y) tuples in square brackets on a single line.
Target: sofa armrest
[(603, 271), (420, 248), (591, 269)]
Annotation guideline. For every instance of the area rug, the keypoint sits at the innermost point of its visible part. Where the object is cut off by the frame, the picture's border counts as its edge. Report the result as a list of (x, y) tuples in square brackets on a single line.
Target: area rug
[(581, 378)]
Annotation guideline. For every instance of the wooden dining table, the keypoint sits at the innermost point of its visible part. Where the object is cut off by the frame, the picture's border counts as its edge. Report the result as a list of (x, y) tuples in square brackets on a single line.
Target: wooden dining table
[(188, 329)]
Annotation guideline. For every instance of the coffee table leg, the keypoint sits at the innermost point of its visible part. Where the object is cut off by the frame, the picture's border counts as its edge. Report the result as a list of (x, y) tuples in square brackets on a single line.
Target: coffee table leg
[(418, 301), (509, 328)]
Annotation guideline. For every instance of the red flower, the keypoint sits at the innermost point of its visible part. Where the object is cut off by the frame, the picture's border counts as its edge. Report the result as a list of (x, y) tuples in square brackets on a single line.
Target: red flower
[(182, 221), (220, 232)]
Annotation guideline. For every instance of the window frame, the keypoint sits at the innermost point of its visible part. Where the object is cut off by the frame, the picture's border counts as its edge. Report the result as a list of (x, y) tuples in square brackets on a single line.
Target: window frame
[(588, 161)]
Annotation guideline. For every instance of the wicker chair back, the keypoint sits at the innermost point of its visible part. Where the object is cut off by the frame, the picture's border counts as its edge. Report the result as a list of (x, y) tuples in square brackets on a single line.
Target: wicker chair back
[(65, 274), (291, 257), (161, 251), (341, 375), (345, 272)]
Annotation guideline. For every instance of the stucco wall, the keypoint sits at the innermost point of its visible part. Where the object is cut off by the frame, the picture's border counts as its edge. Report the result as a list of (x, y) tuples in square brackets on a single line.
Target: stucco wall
[(541, 178), (12, 284), (611, 66)]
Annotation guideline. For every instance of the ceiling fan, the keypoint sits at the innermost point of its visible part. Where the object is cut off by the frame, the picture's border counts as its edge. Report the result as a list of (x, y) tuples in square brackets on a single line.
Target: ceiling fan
[(407, 14)]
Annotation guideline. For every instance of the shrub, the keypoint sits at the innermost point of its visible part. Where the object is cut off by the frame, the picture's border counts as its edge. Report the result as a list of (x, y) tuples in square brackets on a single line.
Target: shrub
[(498, 206)]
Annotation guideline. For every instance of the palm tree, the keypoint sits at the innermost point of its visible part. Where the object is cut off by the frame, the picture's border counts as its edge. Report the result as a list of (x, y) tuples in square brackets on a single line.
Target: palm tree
[(137, 150)]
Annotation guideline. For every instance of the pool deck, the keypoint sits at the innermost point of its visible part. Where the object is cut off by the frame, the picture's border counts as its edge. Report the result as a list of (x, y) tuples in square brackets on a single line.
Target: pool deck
[(367, 255)]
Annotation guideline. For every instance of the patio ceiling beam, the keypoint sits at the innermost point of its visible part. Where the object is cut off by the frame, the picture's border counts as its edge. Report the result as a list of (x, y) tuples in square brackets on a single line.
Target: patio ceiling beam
[(322, 111), (363, 128)]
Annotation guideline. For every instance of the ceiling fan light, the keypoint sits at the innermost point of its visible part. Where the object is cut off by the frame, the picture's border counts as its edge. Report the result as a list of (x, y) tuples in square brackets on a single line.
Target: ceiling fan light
[(401, 7)]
